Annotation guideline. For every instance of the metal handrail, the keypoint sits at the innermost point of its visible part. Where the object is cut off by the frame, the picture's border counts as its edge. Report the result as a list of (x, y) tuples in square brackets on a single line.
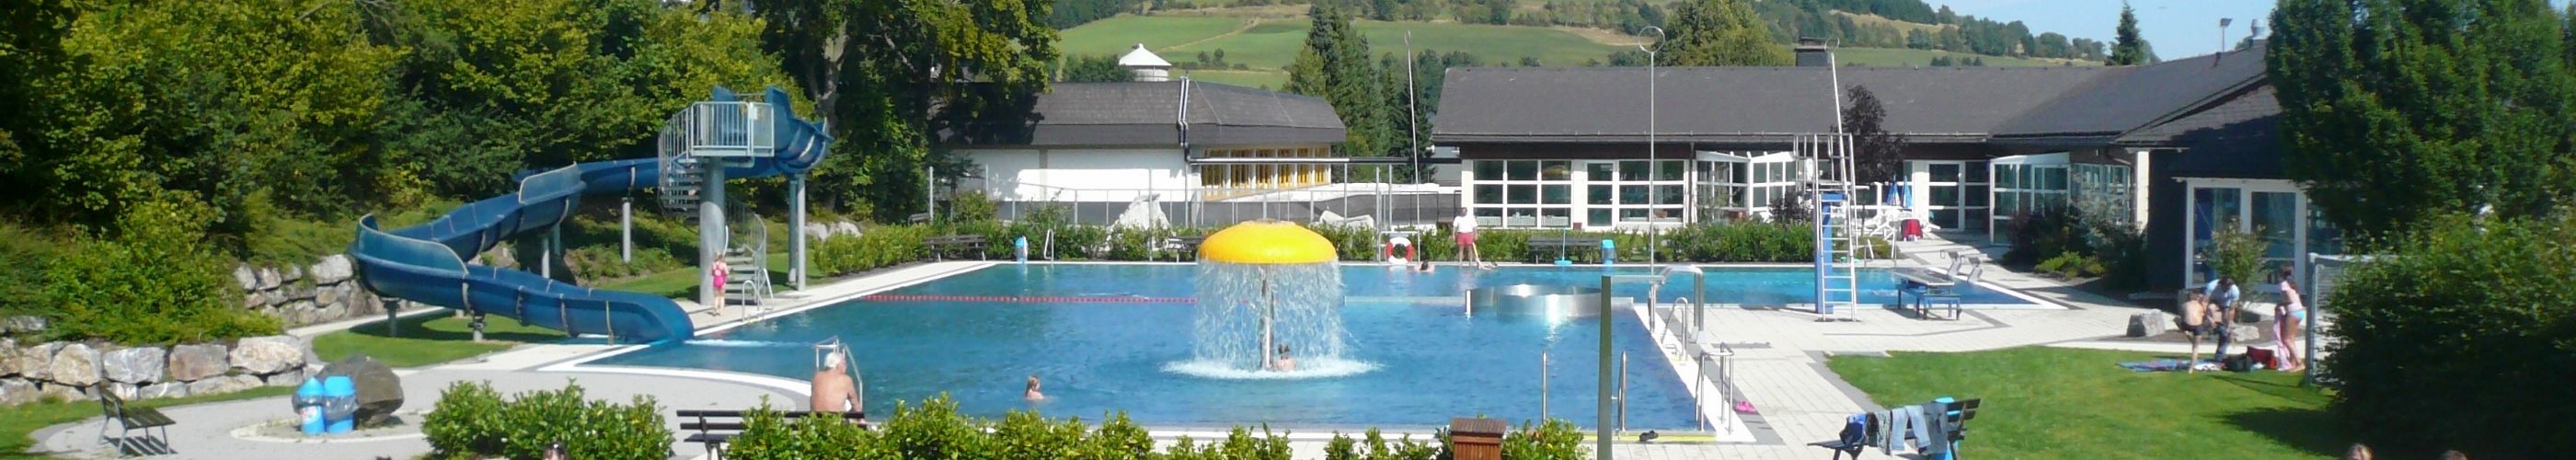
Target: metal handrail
[(721, 129)]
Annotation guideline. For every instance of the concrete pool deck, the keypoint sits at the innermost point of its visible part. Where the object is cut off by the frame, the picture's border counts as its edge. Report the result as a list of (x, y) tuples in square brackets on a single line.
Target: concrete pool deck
[(1779, 357)]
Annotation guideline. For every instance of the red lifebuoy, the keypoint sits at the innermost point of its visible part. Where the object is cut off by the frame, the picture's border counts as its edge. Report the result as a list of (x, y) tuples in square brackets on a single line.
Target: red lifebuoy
[(1410, 251)]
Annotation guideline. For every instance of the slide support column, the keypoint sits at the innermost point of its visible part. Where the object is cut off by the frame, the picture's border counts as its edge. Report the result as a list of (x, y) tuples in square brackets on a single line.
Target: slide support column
[(711, 232), (796, 230)]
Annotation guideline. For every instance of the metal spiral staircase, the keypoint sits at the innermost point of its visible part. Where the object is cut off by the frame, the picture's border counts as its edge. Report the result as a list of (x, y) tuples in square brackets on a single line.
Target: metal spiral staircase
[(695, 149), (1829, 161)]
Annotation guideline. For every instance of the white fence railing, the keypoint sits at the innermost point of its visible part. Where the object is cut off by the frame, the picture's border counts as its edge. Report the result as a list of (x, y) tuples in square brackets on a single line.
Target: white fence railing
[(1374, 205)]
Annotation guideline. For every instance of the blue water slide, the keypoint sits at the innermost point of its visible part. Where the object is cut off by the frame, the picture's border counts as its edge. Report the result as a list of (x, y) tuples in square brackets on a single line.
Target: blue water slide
[(427, 263)]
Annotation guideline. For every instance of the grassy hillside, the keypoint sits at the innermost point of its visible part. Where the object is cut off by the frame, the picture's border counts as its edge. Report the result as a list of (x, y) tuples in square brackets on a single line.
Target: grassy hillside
[(1267, 45)]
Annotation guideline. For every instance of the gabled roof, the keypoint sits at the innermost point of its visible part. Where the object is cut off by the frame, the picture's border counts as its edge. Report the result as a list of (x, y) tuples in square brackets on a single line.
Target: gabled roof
[(2239, 136), (1735, 104), (1148, 114), (2130, 98)]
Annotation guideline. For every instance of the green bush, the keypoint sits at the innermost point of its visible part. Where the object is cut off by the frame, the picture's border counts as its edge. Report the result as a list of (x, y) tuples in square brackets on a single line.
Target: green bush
[(482, 425), (2039, 234), (2071, 265), (1374, 446), (877, 247), (155, 282), (768, 434), (2234, 253), (24, 254), (1551, 439), (972, 206), (2453, 340), (2121, 250), (467, 419)]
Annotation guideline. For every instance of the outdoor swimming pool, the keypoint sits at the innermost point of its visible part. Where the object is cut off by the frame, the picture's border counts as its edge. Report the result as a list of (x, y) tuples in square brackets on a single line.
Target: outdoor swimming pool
[(1116, 337)]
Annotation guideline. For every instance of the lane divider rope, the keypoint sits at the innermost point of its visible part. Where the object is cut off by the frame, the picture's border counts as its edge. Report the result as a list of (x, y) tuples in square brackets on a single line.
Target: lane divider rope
[(1020, 299)]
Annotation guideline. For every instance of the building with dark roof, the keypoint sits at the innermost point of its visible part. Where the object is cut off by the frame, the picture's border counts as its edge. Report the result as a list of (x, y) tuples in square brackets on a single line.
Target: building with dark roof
[(1117, 142), (2174, 147)]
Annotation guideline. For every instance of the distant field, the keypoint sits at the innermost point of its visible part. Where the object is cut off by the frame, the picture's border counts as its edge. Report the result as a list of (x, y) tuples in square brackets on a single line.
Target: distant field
[(1270, 44), (1901, 26), (1896, 57)]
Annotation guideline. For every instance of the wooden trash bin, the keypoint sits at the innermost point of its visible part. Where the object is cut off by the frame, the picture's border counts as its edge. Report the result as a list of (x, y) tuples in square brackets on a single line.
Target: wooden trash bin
[(1477, 438)]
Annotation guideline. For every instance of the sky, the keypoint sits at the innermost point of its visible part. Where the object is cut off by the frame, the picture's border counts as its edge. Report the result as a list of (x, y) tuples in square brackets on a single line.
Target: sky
[(2177, 28)]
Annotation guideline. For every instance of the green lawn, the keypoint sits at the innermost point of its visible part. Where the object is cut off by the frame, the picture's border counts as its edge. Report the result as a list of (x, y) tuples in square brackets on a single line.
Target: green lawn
[(18, 423), (428, 339), (2064, 403)]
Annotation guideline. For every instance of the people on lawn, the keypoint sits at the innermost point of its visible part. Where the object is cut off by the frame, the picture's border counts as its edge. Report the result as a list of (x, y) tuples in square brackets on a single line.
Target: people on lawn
[(2222, 294), (2289, 318), (834, 390), (2197, 320)]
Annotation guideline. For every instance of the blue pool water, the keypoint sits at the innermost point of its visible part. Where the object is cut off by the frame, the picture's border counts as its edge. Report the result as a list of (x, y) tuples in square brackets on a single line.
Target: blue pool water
[(1426, 360)]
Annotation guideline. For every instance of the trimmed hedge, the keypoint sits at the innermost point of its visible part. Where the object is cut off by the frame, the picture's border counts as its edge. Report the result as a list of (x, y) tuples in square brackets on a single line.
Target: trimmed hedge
[(1729, 242), (471, 420), (2455, 339), (935, 430)]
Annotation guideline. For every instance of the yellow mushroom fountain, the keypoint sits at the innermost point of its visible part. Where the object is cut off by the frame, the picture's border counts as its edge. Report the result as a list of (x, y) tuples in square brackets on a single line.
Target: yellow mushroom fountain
[(1265, 287)]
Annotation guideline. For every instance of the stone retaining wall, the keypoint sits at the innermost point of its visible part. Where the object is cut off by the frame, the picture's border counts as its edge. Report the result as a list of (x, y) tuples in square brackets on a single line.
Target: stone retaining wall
[(73, 371), (302, 295)]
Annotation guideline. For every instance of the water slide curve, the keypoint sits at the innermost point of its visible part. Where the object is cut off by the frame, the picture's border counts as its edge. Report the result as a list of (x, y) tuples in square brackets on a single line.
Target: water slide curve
[(427, 263)]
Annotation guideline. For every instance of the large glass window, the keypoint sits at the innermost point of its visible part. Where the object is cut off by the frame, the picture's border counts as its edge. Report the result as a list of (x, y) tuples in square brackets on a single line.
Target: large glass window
[(2023, 185)]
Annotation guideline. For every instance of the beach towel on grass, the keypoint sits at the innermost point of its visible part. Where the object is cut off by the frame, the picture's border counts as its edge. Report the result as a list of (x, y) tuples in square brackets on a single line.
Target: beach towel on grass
[(2159, 365)]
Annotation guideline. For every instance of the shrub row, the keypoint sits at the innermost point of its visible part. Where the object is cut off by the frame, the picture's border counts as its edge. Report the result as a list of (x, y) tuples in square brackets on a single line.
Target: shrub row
[(1709, 243), (472, 421), (936, 430)]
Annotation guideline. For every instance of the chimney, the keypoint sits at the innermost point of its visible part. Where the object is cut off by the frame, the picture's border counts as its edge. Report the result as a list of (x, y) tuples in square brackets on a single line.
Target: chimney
[(1146, 65), (1812, 52)]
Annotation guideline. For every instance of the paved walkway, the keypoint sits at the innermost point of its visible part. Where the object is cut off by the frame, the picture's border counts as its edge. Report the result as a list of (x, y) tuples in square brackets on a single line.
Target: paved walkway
[(1779, 363)]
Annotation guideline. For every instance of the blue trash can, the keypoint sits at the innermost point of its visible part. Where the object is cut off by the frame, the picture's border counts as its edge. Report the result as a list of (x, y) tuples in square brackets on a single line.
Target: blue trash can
[(339, 402), (308, 406)]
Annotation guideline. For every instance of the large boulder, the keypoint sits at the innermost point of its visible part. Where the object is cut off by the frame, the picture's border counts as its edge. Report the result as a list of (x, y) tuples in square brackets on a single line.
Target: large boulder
[(845, 228), (222, 384), (8, 357), (817, 231), (2149, 324), (189, 363), (163, 390), (269, 278), (17, 391), (283, 379), (379, 390), (138, 365), (269, 354), (75, 364), (22, 325), (61, 392), (35, 361), (332, 269), (246, 277), (2247, 334)]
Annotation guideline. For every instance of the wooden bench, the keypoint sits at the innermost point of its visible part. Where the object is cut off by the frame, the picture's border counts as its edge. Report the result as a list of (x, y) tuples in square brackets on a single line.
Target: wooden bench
[(940, 245), (1545, 248), (132, 418), (714, 427)]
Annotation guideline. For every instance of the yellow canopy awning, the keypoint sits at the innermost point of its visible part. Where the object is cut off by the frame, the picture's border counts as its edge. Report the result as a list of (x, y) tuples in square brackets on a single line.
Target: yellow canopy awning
[(1267, 242)]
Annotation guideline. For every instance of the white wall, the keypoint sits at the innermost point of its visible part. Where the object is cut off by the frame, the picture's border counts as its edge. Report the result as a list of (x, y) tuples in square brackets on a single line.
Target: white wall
[(1081, 174)]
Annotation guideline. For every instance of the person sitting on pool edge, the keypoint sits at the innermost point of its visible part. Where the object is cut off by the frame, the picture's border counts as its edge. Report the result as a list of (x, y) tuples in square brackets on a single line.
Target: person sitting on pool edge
[(1032, 394), (1283, 363)]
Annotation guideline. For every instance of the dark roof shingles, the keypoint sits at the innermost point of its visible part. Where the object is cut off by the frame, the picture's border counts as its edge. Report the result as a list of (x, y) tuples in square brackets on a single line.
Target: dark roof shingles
[(2129, 98), (1734, 103)]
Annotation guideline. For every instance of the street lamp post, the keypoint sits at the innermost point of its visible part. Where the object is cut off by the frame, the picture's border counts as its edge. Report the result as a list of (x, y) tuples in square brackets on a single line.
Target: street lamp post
[(1654, 192)]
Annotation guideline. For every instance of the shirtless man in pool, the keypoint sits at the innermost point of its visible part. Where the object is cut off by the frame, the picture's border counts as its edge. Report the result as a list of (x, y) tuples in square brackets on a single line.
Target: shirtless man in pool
[(833, 389)]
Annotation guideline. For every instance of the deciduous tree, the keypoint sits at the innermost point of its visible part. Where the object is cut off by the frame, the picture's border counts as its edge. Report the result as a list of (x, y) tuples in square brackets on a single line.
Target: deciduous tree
[(1719, 33)]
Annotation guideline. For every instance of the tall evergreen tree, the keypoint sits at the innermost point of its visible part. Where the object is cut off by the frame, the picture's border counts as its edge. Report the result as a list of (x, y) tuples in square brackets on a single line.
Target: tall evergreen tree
[(2129, 48), (1876, 152), (1719, 33), (1335, 65), (2395, 111)]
